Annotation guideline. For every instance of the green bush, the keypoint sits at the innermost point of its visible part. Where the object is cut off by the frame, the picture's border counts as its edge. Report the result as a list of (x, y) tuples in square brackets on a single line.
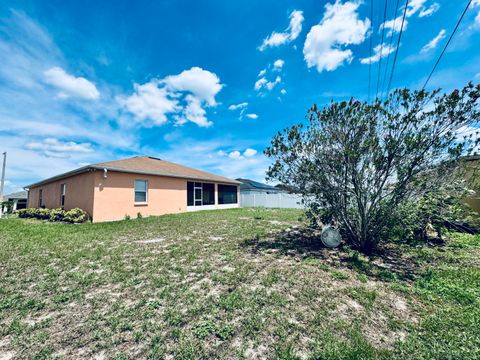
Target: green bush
[(72, 216), (57, 215), (76, 216)]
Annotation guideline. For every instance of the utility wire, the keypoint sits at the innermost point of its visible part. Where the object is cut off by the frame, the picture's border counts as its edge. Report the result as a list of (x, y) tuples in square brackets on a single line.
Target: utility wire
[(446, 45), (390, 47), (398, 46), (381, 48), (371, 47)]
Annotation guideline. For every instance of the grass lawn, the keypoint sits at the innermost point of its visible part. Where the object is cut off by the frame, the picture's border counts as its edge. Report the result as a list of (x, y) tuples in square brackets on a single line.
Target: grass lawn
[(238, 283)]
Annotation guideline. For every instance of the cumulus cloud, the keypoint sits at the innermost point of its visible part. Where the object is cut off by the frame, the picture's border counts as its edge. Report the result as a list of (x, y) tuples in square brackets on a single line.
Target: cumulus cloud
[(249, 152), (242, 107), (263, 83), (325, 45), (52, 147), (69, 85), (291, 32), (278, 64), (432, 44), (414, 7), (238, 106), (378, 52), (203, 84), (151, 103), (429, 11), (183, 96), (237, 155), (252, 116)]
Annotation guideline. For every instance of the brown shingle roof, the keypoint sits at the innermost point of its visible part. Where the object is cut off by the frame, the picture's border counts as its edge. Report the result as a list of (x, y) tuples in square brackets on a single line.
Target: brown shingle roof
[(144, 165), (155, 166)]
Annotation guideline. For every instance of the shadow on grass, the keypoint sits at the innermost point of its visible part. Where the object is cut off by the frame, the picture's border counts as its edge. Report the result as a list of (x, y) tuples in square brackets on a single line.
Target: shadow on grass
[(388, 263)]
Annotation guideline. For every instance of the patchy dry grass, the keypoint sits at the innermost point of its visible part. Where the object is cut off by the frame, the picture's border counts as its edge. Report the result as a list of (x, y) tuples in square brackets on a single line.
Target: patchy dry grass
[(238, 283)]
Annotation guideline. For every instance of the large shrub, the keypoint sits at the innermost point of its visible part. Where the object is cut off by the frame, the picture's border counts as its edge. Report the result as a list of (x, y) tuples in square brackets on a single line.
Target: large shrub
[(355, 163), (76, 215), (72, 216)]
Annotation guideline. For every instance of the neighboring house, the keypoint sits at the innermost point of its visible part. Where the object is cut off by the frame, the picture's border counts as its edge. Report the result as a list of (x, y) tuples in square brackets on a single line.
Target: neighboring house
[(17, 199), (248, 186), (256, 194), (142, 184)]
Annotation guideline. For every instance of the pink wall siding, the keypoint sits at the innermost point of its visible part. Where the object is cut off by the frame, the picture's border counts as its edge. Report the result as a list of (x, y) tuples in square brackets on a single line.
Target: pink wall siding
[(79, 193), (114, 196)]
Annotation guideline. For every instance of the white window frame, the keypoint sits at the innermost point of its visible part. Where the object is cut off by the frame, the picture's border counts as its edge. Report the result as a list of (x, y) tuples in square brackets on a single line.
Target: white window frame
[(146, 192)]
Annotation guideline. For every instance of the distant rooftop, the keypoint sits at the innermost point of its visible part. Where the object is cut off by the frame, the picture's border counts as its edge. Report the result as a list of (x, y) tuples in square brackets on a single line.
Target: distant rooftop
[(247, 184), (16, 195)]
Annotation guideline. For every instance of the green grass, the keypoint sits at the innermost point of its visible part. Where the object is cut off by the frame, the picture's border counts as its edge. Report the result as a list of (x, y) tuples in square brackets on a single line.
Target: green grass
[(229, 284)]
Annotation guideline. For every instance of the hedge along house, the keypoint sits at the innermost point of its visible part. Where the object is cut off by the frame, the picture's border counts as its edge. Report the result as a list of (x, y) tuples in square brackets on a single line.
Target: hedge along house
[(142, 184)]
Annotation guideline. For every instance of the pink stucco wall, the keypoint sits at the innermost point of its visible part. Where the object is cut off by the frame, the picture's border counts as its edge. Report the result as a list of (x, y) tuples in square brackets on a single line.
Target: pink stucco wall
[(79, 193), (112, 197)]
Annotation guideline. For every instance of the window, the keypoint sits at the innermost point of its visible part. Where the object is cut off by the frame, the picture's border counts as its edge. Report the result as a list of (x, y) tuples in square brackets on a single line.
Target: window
[(200, 194), (62, 195), (141, 191), (40, 198), (227, 194)]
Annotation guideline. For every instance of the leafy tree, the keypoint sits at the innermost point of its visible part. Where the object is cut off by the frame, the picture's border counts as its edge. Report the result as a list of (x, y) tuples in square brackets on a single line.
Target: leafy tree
[(355, 162)]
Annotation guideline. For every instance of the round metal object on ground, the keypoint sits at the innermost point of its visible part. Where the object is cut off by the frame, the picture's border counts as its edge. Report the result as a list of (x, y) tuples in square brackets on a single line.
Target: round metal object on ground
[(330, 237)]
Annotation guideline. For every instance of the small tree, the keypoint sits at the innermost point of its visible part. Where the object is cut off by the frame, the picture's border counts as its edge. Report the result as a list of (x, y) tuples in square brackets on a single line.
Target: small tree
[(355, 162)]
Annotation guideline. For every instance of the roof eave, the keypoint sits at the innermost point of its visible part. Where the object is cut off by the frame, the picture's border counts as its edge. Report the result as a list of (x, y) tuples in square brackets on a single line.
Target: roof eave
[(131, 171), (110, 168), (61, 176)]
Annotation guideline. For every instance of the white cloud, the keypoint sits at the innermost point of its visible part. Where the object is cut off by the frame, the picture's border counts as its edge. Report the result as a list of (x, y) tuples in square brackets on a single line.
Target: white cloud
[(278, 64), (325, 45), (262, 72), (432, 44), (194, 112), (263, 83), (204, 84), (378, 52), (291, 33), (394, 25), (70, 85), (414, 7), (476, 23), (235, 155), (283, 91), (429, 11), (252, 116), (238, 106), (249, 152), (260, 83), (52, 147), (151, 103)]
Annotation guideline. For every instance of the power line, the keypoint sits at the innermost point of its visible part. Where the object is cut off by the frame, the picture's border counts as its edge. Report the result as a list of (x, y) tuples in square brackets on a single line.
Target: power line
[(446, 45), (398, 46), (381, 48), (390, 47), (371, 47)]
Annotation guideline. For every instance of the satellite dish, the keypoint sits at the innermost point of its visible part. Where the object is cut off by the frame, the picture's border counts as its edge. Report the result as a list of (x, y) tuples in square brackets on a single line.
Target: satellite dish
[(330, 237)]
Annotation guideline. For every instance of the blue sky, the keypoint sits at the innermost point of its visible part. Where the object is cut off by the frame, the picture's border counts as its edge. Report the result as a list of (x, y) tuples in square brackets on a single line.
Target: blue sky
[(203, 83)]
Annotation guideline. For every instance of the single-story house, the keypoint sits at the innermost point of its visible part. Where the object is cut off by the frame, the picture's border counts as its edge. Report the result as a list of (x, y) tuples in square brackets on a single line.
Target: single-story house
[(17, 199), (142, 184), (248, 186)]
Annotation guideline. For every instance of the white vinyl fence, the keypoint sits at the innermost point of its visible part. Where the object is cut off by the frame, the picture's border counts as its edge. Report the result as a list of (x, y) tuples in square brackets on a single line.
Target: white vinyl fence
[(270, 200)]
